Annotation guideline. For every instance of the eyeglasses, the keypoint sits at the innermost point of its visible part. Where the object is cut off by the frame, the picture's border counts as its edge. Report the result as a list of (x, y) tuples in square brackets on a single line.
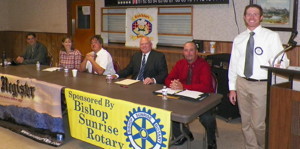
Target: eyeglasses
[(95, 42), (30, 38)]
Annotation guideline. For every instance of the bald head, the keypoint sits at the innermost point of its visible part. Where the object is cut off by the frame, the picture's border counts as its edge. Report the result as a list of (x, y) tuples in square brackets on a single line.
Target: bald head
[(145, 44)]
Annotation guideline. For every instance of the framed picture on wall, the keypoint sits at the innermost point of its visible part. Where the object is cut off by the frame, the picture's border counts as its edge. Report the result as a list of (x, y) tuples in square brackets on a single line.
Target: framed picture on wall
[(279, 15)]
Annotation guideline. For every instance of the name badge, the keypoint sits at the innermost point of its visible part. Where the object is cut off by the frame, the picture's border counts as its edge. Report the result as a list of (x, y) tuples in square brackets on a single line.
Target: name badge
[(259, 51)]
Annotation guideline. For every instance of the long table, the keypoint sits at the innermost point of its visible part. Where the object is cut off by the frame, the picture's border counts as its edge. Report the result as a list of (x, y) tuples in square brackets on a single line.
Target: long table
[(182, 111)]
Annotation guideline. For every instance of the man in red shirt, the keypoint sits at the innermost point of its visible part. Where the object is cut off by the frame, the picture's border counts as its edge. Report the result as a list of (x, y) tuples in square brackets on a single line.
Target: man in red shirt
[(193, 73)]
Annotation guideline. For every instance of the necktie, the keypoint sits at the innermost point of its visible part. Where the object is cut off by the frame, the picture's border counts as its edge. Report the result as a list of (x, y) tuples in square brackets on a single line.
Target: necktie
[(190, 74), (32, 52), (141, 73), (249, 57)]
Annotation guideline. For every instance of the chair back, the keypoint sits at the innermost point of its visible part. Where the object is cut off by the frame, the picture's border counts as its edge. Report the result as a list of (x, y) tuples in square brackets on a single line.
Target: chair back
[(214, 82), (49, 60), (116, 66)]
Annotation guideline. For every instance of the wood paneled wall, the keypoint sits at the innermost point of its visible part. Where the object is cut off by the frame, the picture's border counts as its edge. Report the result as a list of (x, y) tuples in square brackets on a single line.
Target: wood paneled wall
[(14, 43), (122, 54)]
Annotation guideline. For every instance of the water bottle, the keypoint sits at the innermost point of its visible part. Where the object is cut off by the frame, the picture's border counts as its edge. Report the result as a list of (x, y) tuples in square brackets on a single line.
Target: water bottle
[(38, 66), (59, 137), (164, 93), (66, 72), (108, 78), (3, 58)]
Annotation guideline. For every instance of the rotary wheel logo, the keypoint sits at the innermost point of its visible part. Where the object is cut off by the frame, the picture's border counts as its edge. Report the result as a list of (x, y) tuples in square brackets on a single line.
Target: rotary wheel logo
[(143, 130)]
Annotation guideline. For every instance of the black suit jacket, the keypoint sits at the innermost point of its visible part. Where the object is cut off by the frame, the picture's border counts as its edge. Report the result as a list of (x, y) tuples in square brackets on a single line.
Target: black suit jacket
[(156, 67)]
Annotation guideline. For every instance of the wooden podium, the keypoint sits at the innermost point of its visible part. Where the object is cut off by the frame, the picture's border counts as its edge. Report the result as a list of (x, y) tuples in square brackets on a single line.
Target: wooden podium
[(283, 111)]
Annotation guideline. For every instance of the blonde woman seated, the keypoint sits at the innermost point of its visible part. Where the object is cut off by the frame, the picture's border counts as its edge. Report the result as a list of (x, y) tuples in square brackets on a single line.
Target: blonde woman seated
[(68, 56)]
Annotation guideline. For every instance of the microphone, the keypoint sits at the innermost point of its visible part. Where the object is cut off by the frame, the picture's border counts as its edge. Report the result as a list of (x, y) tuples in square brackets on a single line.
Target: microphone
[(291, 44), (291, 41)]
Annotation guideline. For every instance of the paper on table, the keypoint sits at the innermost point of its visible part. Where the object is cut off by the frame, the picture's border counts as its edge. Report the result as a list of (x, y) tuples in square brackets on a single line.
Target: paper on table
[(191, 94), (7, 63), (127, 82), (169, 91), (51, 69), (296, 68)]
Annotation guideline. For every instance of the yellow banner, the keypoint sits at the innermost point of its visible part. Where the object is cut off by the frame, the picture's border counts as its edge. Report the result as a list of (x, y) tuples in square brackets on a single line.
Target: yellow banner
[(114, 123)]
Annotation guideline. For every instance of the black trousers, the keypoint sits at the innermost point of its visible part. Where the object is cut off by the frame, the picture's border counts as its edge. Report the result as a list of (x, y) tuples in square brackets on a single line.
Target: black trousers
[(208, 120)]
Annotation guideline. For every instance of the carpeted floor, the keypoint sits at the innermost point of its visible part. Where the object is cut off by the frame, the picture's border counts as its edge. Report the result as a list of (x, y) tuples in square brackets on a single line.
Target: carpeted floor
[(230, 137)]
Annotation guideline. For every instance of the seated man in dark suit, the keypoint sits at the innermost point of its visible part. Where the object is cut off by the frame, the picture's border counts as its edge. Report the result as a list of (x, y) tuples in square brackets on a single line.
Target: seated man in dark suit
[(193, 73), (35, 51), (146, 65)]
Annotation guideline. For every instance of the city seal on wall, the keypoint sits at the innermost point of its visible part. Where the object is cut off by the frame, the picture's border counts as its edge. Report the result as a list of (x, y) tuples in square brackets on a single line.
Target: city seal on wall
[(141, 25)]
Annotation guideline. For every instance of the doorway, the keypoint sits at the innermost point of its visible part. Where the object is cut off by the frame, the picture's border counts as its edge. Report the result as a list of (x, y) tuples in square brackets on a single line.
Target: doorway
[(82, 24)]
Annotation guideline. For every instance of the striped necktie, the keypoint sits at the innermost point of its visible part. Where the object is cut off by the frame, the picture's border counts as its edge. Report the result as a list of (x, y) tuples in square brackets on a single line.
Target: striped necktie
[(141, 73)]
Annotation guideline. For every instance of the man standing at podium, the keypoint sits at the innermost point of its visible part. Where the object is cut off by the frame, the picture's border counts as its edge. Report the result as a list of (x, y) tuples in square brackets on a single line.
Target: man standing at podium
[(247, 81)]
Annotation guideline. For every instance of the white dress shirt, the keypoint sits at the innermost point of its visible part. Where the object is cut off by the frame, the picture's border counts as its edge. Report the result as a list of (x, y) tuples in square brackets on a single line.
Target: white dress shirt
[(267, 45), (104, 60)]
